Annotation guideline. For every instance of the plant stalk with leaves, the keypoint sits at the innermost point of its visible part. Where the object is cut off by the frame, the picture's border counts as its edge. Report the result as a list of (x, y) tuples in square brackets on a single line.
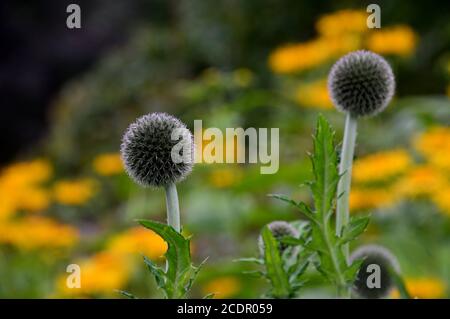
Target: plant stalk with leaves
[(147, 155), (322, 241), (283, 268), (360, 84)]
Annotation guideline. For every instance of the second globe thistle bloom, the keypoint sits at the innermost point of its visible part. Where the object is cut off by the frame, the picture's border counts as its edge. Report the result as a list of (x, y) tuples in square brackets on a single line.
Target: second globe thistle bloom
[(360, 84), (147, 151), (377, 261)]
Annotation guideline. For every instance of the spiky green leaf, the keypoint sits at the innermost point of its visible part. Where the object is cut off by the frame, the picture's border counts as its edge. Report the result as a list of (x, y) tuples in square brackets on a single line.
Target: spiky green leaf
[(274, 266)]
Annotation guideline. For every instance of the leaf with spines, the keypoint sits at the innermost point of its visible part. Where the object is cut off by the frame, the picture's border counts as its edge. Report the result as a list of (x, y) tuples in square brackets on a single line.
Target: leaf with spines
[(274, 266), (322, 240), (353, 229), (177, 280)]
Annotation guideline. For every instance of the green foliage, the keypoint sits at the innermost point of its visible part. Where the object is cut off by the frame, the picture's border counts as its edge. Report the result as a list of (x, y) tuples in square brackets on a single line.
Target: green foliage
[(322, 239), (283, 271), (176, 281)]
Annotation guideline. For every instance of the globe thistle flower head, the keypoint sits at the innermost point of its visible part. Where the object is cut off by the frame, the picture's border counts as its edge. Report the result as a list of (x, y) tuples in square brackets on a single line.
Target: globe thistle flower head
[(377, 261), (361, 83), (147, 147), (279, 230)]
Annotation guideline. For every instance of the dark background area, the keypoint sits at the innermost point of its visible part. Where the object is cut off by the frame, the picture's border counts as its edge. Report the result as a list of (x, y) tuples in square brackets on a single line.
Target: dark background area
[(40, 54)]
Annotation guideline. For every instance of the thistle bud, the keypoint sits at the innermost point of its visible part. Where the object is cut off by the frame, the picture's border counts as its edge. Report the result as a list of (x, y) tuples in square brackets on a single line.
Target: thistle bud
[(374, 279), (361, 83), (147, 150)]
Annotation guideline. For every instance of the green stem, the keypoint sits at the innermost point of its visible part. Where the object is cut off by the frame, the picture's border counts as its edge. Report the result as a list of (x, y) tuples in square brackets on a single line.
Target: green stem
[(173, 209), (345, 171)]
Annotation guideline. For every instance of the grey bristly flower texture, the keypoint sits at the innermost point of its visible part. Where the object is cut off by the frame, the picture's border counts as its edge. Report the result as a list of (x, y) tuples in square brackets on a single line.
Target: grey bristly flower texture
[(146, 150), (279, 230), (378, 255), (361, 83)]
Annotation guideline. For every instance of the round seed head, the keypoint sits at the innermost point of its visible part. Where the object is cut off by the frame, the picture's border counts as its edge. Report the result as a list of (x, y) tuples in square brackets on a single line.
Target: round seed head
[(279, 230), (361, 83), (374, 279), (147, 147)]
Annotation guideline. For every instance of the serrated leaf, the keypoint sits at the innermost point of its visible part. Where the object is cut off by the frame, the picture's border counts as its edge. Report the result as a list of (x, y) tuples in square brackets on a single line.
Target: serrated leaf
[(196, 270), (302, 207), (157, 272), (353, 229), (298, 271), (324, 161), (283, 198), (178, 254), (274, 266), (292, 241), (180, 271), (352, 271)]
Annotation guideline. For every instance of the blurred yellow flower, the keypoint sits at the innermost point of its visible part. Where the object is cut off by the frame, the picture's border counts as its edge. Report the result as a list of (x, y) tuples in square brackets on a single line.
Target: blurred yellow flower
[(441, 197), (225, 177), (381, 166), (223, 287), (7, 205), (369, 198), (302, 56), (342, 22), (423, 288), (34, 200), (74, 192), (421, 181), (314, 95), (210, 149), (36, 232), (434, 145), (27, 173), (108, 164), (398, 40), (102, 274), (21, 187), (138, 240)]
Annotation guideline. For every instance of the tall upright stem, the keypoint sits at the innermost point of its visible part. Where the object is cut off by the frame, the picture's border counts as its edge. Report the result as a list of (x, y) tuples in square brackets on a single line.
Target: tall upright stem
[(345, 170), (173, 209)]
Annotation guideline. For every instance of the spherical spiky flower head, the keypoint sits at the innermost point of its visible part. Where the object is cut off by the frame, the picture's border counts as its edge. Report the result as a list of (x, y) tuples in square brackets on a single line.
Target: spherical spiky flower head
[(147, 150), (361, 83), (279, 230), (374, 279)]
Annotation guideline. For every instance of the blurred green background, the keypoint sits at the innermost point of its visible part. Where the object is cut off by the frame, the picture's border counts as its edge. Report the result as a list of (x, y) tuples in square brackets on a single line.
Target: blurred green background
[(64, 197)]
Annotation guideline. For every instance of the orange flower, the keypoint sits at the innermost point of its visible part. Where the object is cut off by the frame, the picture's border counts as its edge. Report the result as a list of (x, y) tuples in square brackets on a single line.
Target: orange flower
[(369, 198), (223, 287), (421, 181), (102, 274), (74, 192), (314, 94), (108, 164), (399, 40), (37, 233), (342, 22), (381, 166), (138, 240), (434, 145), (423, 288)]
